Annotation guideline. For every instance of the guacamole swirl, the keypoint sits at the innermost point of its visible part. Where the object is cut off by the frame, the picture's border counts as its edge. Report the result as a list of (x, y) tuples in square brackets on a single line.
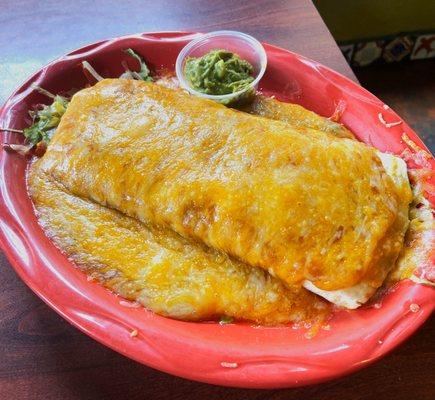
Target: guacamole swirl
[(218, 72)]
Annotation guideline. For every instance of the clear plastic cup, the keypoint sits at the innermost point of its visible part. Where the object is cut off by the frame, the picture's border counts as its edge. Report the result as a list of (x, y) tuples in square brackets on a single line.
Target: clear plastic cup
[(247, 47)]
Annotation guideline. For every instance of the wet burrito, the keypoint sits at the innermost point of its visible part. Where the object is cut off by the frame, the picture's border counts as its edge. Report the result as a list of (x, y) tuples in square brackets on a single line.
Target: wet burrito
[(305, 207)]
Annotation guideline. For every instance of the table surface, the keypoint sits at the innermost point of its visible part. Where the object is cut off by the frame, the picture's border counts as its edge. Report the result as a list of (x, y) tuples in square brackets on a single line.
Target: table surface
[(41, 355)]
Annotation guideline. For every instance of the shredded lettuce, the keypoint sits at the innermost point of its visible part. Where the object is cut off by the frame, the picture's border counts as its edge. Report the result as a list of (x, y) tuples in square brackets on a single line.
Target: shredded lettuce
[(144, 72), (89, 68), (225, 319), (45, 121)]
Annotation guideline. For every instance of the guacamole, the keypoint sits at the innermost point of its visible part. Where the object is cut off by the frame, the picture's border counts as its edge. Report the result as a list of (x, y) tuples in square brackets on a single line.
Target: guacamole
[(218, 72)]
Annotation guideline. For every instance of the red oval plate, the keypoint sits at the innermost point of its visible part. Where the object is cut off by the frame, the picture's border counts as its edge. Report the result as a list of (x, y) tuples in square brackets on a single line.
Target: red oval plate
[(236, 354)]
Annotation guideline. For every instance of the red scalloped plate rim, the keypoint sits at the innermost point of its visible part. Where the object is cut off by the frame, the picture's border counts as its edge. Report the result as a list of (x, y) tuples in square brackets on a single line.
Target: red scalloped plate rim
[(265, 357)]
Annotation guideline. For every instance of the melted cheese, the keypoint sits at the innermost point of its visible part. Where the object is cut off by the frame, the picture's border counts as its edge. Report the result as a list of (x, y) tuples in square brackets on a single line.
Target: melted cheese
[(290, 113), (295, 115), (306, 207), (356, 295), (166, 273)]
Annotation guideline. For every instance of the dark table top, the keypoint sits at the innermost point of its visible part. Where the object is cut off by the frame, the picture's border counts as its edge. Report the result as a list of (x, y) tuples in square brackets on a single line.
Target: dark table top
[(41, 355)]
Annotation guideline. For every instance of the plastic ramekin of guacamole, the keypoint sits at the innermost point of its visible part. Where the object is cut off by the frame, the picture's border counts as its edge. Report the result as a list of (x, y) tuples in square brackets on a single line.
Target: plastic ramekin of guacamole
[(224, 66)]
